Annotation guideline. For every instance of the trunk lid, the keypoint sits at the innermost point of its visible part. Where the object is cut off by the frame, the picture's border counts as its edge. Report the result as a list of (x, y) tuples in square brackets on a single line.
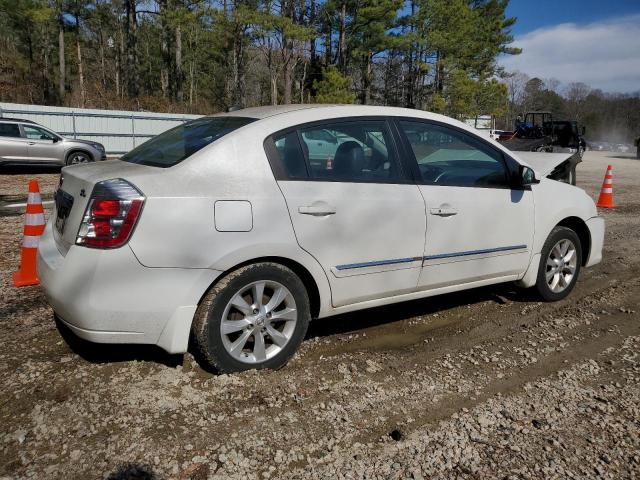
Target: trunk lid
[(74, 192)]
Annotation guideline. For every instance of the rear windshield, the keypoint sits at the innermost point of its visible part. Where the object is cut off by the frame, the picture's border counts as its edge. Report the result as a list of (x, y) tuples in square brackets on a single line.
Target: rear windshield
[(173, 146)]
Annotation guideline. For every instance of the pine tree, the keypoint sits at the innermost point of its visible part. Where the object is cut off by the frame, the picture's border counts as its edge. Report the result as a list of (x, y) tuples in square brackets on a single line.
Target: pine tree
[(334, 87)]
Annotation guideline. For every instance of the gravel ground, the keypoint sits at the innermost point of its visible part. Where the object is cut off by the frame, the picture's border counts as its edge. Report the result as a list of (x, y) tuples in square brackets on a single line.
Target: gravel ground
[(488, 383)]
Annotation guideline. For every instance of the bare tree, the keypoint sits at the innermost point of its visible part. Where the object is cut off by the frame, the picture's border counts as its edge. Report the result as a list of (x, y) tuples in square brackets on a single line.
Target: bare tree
[(516, 84), (576, 95)]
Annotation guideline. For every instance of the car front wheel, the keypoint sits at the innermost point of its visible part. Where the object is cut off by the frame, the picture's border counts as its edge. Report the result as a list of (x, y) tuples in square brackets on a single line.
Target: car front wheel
[(559, 264), (255, 317), (76, 158)]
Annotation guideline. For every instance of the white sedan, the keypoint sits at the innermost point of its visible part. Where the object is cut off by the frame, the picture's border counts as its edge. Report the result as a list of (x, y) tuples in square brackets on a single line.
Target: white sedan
[(223, 230)]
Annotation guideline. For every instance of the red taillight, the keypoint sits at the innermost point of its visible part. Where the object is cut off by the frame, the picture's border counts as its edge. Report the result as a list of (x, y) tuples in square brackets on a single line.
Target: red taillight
[(111, 214), (107, 208)]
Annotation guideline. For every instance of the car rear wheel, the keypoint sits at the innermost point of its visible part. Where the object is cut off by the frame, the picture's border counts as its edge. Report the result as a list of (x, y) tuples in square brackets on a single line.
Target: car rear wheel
[(559, 264), (255, 317), (76, 158)]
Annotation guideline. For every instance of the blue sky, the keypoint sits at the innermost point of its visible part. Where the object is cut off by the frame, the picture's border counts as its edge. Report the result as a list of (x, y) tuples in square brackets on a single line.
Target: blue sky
[(534, 14), (596, 42)]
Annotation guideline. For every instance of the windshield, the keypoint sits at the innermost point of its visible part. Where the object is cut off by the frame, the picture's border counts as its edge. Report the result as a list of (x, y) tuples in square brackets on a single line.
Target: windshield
[(173, 146)]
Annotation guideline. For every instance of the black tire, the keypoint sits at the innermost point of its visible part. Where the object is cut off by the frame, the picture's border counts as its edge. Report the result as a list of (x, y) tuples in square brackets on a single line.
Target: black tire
[(543, 288), (209, 348), (78, 158)]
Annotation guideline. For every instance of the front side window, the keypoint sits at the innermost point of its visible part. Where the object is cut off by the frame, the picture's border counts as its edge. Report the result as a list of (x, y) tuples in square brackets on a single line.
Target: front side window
[(448, 157), (9, 130), (175, 145), (353, 151), (37, 133)]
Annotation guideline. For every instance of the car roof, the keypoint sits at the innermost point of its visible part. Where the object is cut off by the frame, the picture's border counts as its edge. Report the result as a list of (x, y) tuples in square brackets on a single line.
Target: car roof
[(267, 111), (260, 113), (21, 120)]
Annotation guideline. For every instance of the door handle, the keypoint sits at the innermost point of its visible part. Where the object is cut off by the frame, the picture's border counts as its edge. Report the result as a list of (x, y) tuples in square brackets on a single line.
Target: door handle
[(317, 210), (32, 143), (443, 211)]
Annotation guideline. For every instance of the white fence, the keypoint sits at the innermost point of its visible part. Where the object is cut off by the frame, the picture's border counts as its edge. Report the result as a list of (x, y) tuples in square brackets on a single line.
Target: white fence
[(119, 131)]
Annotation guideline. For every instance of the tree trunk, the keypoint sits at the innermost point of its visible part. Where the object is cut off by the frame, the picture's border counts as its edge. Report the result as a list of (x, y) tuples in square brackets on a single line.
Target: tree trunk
[(288, 82), (83, 93), (288, 10), (62, 78), (191, 83), (103, 72), (342, 62), (133, 81), (164, 50), (46, 79), (410, 100), (312, 22), (119, 55), (179, 72), (327, 44), (302, 81), (238, 97), (273, 75), (365, 96), (274, 89)]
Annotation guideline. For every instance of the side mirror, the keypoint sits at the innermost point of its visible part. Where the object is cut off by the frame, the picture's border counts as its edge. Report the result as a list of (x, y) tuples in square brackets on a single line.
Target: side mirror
[(528, 176), (584, 129)]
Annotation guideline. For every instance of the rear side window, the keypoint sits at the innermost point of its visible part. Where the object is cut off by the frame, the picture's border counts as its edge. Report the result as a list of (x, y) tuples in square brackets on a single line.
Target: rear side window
[(175, 145), (352, 151), (9, 130), (289, 152)]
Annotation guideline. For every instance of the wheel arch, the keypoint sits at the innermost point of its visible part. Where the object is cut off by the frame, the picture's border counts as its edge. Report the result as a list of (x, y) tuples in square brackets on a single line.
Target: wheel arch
[(305, 276), (77, 150), (580, 227)]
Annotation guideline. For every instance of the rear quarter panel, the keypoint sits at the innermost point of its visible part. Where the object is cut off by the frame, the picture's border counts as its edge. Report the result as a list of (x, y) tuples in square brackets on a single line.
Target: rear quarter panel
[(177, 225)]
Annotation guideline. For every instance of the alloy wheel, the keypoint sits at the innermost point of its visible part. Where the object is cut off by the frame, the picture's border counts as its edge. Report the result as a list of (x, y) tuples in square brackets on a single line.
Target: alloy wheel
[(561, 265), (78, 158), (258, 321)]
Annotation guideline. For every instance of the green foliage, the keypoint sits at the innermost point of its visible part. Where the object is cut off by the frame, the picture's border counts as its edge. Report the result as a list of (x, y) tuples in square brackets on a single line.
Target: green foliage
[(202, 56), (334, 87)]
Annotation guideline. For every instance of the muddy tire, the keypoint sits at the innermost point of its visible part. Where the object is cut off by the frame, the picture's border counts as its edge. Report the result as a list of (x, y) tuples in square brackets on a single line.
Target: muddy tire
[(559, 264), (255, 317)]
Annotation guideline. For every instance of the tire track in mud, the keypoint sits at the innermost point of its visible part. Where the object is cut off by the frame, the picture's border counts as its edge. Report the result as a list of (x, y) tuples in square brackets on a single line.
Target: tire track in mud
[(588, 333)]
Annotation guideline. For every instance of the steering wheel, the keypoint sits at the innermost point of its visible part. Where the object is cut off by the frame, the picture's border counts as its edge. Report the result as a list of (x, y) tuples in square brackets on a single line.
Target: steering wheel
[(431, 172)]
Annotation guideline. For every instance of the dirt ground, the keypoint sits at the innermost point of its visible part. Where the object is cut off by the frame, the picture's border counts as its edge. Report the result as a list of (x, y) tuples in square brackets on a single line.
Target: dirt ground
[(488, 383)]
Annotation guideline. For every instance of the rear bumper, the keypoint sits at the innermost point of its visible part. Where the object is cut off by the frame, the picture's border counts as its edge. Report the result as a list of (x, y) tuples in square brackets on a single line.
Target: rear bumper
[(107, 296), (596, 230)]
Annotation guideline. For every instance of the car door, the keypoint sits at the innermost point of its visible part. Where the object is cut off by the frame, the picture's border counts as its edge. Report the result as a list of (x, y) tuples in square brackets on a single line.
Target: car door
[(13, 148), (43, 146), (478, 226), (360, 217)]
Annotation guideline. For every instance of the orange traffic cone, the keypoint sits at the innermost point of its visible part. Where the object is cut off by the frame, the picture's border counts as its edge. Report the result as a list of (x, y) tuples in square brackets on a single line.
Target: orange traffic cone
[(33, 228), (606, 192)]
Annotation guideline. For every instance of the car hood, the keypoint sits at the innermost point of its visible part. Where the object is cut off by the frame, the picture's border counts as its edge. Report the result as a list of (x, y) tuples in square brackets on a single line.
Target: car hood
[(84, 142), (544, 163)]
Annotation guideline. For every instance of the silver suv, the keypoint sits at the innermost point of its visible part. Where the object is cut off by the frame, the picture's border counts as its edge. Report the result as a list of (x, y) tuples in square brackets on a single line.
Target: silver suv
[(23, 142)]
